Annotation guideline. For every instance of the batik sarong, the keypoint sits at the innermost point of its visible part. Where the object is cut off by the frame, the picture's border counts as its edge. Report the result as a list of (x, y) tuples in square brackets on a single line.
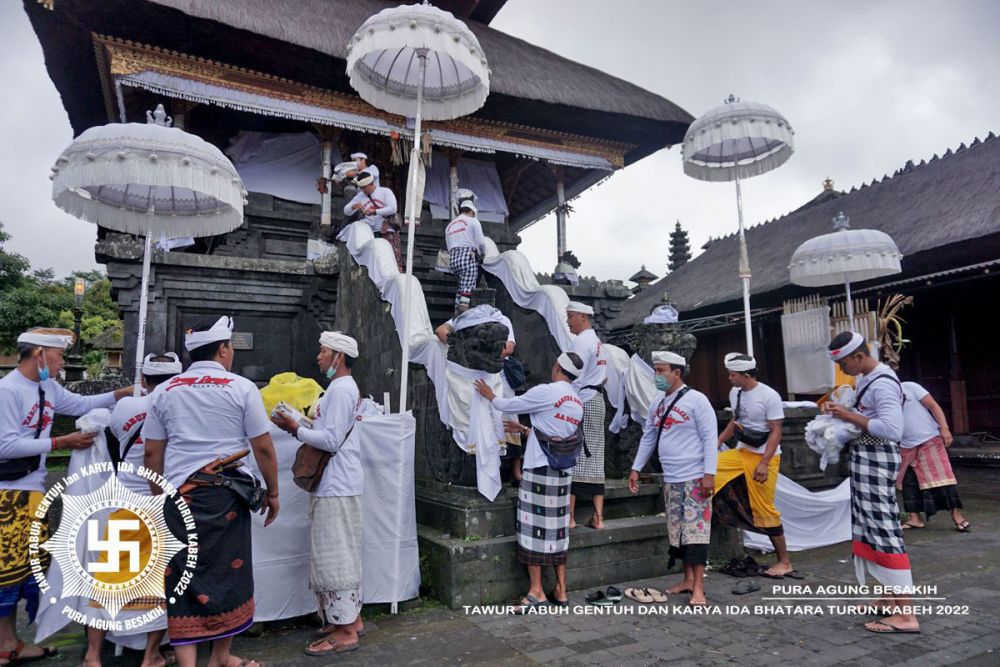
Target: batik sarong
[(218, 601), (335, 558), (689, 521), (927, 480), (463, 264), (588, 473), (542, 521), (392, 235), (877, 537), (17, 511), (740, 501)]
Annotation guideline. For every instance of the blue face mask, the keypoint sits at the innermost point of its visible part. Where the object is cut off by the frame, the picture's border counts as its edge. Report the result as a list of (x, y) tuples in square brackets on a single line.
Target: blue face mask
[(43, 373), (331, 371), (661, 382)]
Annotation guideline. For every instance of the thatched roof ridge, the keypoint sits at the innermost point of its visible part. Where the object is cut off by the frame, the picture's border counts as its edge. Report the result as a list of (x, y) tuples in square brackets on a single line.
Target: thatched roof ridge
[(937, 204)]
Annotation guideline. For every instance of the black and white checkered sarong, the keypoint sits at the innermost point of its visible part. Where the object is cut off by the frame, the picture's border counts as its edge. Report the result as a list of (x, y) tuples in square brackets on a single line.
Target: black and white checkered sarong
[(875, 525), (462, 262), (590, 469), (542, 521)]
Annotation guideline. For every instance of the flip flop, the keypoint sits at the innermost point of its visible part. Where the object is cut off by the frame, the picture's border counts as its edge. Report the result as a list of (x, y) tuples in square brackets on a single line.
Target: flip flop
[(893, 630), (557, 603), (763, 573), (598, 599), (15, 657), (532, 603), (613, 594), (746, 586), (795, 574), (963, 527), (657, 596), (639, 595), (910, 526), (319, 634), (336, 647)]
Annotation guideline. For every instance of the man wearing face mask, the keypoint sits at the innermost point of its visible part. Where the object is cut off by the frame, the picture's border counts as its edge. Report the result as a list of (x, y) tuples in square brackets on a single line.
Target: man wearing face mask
[(29, 399), (681, 427), (335, 506)]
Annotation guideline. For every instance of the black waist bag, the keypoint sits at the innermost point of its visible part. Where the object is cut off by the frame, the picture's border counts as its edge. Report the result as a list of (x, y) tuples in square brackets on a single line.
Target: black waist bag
[(562, 453), (746, 435), (13, 469), (245, 487)]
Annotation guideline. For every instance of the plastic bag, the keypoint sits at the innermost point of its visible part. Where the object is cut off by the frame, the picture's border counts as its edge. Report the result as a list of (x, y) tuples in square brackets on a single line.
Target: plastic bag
[(94, 421), (827, 435), (297, 392)]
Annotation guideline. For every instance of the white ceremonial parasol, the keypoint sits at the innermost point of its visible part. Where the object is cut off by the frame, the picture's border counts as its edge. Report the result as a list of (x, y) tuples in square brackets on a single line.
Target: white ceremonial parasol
[(419, 61), (844, 256), (738, 139), (152, 180)]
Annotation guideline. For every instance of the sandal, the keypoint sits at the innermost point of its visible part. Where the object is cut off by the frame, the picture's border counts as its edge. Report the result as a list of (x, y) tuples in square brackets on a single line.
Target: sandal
[(531, 603), (598, 599), (553, 600), (14, 656), (963, 527), (335, 647), (323, 632), (734, 568), (908, 526), (658, 597), (639, 595), (613, 594), (746, 586)]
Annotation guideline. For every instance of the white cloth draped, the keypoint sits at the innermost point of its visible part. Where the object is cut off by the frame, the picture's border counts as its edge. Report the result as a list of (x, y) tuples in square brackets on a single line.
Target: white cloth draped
[(618, 363), (811, 519), (283, 165), (484, 426), (640, 389), (479, 176)]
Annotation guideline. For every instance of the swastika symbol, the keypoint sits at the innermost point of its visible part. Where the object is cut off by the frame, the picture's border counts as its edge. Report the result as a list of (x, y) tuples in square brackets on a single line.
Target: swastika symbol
[(114, 546)]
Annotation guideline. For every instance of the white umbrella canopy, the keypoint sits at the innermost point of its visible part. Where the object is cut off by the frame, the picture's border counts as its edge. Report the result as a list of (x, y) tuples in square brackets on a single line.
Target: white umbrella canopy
[(738, 139), (151, 180), (844, 256), (419, 61)]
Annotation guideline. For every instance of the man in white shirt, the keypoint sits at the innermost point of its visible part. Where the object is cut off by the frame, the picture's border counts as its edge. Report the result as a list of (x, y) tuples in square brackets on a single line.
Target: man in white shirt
[(746, 477), (588, 475), (197, 428), (542, 521), (378, 207), (681, 427), (335, 506), (877, 538), (361, 159), (925, 475), (466, 248), (125, 445), (30, 398)]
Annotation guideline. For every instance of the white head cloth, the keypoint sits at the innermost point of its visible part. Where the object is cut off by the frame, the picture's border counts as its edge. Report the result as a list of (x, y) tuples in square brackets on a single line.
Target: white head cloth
[(481, 314), (468, 203), (221, 330), (60, 338), (665, 357), (577, 307), (150, 367), (857, 340), (364, 178), (355, 156), (339, 342), (567, 365), (665, 314), (738, 362)]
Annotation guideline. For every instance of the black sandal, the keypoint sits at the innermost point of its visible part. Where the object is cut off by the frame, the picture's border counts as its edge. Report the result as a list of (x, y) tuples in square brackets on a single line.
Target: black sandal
[(614, 594), (598, 599), (554, 601)]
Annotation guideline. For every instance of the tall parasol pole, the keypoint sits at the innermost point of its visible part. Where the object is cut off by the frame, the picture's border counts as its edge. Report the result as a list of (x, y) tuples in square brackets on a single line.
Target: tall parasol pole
[(744, 269), (850, 305), (411, 208), (140, 345)]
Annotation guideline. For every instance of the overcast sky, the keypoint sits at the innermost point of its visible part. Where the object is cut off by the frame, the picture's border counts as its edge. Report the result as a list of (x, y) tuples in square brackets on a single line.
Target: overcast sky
[(866, 85)]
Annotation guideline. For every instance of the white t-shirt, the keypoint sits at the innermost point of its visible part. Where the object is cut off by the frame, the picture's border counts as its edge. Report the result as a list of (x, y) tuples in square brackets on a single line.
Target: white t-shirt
[(380, 204), (336, 414), (882, 403), (465, 231), (19, 419), (757, 407), (556, 410), (128, 416), (919, 424), (205, 413), (688, 444), (595, 363)]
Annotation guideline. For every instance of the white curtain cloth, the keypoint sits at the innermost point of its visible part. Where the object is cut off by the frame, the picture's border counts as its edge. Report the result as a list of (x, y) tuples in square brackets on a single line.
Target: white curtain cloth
[(479, 176), (640, 389), (283, 165), (615, 387), (391, 561), (811, 519), (281, 551), (808, 369), (484, 431)]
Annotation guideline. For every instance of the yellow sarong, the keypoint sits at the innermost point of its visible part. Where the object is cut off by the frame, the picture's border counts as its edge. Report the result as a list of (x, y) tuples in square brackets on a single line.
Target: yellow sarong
[(735, 462)]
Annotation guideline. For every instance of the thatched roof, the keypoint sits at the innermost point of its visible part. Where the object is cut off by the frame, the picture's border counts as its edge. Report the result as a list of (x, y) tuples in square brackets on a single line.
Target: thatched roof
[(305, 41), (109, 339), (943, 213)]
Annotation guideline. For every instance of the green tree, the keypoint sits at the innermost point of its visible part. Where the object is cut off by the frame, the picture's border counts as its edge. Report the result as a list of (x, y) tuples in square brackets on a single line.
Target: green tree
[(13, 267)]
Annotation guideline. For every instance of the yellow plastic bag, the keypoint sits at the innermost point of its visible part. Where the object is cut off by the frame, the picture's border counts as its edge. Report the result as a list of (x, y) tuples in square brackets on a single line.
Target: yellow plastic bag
[(299, 392)]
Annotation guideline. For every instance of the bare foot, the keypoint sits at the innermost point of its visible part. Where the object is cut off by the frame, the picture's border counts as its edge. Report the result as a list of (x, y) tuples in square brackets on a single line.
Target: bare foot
[(595, 521), (683, 587), (89, 660), (697, 599), (779, 569), (894, 624), (156, 661), (235, 661)]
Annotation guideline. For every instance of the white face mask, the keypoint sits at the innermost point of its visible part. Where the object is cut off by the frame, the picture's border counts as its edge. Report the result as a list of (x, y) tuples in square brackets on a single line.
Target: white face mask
[(332, 370)]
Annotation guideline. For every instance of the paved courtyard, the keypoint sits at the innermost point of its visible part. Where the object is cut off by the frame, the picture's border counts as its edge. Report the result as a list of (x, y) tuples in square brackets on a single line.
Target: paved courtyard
[(965, 568)]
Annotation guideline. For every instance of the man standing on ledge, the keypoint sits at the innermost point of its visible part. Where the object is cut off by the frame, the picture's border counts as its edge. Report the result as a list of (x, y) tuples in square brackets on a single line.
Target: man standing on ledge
[(877, 537), (200, 422), (30, 398), (681, 427), (747, 476), (588, 473)]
